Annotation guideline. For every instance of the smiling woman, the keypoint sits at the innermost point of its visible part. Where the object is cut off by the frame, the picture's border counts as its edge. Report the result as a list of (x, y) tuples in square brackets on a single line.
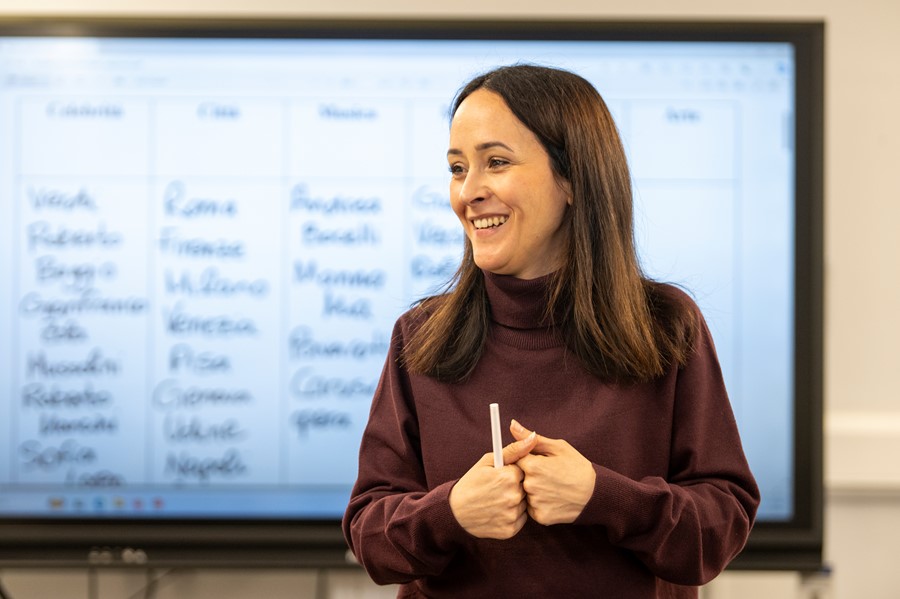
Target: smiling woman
[(639, 466)]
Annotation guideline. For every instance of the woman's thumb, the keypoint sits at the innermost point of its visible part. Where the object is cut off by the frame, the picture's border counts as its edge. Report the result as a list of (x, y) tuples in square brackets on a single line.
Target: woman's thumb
[(517, 450)]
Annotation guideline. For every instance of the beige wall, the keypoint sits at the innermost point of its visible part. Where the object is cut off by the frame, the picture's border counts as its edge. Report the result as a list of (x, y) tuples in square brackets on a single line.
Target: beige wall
[(862, 252)]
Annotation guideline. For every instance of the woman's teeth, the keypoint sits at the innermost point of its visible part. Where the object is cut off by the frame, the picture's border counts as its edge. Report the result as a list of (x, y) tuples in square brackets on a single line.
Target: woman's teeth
[(485, 223)]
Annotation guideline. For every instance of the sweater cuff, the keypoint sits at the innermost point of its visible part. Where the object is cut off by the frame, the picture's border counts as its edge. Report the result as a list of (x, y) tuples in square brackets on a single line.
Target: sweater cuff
[(445, 529), (616, 498)]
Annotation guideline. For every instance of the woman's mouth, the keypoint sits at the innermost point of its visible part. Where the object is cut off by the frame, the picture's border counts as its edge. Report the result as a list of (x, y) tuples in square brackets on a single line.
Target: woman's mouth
[(489, 222)]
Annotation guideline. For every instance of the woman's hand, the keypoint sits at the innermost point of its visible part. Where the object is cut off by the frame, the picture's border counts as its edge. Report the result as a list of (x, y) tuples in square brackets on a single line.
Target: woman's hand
[(558, 481), (489, 502)]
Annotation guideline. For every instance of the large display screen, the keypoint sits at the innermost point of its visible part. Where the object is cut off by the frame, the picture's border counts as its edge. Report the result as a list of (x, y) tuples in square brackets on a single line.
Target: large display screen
[(205, 242)]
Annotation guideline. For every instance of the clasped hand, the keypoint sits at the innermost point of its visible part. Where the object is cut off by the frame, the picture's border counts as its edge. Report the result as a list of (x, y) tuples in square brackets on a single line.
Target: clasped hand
[(545, 479)]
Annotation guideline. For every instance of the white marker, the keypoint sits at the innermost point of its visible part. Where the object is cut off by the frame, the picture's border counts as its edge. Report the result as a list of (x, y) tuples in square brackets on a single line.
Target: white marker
[(495, 436)]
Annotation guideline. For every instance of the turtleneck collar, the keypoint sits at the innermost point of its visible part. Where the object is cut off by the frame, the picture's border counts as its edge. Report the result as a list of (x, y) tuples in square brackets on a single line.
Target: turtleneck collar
[(518, 306)]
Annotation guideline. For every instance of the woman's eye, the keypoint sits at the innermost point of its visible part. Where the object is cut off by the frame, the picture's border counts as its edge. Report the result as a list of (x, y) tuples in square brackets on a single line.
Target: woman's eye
[(497, 162), (456, 169)]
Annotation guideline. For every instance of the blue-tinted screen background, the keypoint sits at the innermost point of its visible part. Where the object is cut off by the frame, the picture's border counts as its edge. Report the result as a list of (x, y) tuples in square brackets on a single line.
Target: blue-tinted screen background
[(204, 245)]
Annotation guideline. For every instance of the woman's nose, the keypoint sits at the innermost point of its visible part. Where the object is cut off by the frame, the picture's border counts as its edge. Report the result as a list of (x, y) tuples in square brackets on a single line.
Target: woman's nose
[(473, 189)]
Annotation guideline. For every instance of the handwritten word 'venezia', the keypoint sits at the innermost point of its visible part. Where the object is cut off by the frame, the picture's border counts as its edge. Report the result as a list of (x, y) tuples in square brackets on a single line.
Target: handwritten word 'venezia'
[(180, 322)]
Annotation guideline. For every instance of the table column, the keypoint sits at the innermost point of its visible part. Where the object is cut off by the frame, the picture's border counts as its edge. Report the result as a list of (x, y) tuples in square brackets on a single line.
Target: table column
[(347, 227), (218, 259), (82, 291)]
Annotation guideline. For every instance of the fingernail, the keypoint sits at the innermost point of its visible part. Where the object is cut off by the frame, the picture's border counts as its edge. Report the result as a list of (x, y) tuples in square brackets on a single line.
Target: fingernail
[(516, 426), (532, 435)]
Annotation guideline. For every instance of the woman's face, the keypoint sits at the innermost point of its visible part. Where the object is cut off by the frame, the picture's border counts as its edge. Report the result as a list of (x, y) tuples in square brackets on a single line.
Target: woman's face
[(503, 190)]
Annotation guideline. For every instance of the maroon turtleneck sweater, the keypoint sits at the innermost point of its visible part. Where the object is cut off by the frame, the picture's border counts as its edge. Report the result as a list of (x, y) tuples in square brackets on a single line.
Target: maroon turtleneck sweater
[(673, 502)]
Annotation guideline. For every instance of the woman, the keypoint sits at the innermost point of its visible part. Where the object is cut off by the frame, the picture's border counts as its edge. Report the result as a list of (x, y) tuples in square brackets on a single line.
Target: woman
[(625, 476)]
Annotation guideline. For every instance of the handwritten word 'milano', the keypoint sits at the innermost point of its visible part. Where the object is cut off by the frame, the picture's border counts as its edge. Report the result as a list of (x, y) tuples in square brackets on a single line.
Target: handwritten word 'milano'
[(211, 283)]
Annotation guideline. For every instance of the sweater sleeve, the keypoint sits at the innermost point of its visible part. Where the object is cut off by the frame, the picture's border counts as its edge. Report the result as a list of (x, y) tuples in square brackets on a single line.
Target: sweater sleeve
[(397, 528), (685, 527)]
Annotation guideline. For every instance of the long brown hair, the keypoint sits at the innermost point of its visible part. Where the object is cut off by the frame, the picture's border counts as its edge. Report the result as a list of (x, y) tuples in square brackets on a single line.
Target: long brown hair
[(616, 320)]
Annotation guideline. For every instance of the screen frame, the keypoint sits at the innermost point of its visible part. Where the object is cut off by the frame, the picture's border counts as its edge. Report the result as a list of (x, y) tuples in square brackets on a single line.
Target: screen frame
[(791, 545)]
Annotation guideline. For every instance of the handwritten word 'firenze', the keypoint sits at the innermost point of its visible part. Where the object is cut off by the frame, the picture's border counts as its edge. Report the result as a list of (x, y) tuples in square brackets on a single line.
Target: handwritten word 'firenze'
[(171, 242)]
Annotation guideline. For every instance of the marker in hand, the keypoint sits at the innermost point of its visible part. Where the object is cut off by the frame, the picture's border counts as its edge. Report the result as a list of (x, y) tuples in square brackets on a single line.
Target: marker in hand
[(495, 436)]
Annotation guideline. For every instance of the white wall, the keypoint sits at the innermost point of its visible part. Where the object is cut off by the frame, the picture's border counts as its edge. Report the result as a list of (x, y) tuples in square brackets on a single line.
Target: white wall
[(862, 283)]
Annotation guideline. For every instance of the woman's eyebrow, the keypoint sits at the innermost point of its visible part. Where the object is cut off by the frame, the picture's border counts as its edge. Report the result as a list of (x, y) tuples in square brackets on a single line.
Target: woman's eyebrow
[(481, 147)]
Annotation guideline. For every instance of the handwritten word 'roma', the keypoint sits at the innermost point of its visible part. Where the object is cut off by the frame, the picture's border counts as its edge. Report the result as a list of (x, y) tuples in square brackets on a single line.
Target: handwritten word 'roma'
[(178, 203)]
